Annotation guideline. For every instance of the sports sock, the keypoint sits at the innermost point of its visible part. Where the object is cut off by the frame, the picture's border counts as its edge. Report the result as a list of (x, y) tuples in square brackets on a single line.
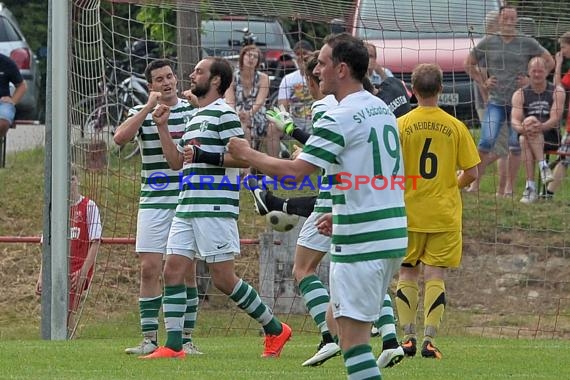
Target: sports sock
[(360, 364), (302, 206), (190, 315), (174, 306), (316, 299), (149, 309), (273, 203), (248, 300), (387, 325), (434, 306), (407, 298)]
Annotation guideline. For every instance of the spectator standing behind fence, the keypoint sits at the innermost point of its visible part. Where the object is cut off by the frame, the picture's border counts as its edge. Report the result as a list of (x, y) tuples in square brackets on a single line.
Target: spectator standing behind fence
[(376, 73), (500, 151), (9, 73), (564, 160), (536, 114), (294, 95), (85, 237), (248, 94), (383, 84), (157, 204), (506, 54)]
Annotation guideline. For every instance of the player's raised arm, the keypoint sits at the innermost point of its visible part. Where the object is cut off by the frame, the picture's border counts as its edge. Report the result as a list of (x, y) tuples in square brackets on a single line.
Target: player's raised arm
[(129, 128), (171, 153)]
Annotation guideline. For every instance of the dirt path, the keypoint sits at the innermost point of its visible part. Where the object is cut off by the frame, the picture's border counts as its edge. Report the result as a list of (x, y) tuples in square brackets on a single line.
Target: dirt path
[(25, 136)]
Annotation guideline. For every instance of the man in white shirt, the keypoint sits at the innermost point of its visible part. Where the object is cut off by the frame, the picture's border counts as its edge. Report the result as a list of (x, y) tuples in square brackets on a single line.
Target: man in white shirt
[(295, 97)]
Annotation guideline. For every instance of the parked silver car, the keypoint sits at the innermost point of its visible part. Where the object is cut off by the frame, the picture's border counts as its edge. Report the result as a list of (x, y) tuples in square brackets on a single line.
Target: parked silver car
[(13, 44)]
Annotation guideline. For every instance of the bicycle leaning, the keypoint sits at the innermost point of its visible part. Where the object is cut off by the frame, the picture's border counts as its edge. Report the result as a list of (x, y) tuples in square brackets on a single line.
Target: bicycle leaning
[(120, 90)]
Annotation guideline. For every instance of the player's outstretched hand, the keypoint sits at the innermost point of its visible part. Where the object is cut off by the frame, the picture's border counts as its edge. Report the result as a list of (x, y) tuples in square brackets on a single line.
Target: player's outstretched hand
[(281, 119)]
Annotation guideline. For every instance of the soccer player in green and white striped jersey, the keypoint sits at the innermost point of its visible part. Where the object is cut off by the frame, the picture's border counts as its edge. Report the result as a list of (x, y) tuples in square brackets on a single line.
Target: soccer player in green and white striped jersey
[(311, 246), (205, 225), (368, 225), (158, 200)]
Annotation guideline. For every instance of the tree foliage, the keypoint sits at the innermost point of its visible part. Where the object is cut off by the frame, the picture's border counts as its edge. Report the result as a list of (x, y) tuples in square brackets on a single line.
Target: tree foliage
[(159, 23)]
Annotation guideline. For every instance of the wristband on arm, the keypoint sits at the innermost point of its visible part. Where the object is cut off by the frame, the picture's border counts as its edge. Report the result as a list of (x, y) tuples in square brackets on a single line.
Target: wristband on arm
[(300, 135), (203, 157)]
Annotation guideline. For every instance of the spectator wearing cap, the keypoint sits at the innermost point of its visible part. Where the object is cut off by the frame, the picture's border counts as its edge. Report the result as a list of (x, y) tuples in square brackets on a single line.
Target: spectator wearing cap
[(295, 97)]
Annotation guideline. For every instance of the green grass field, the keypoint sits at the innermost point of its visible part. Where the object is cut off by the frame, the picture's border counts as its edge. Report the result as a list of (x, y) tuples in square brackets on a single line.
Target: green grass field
[(236, 358)]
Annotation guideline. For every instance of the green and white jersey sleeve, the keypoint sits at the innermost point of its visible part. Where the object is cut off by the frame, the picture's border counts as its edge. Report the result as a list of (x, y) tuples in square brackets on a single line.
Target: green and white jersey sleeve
[(160, 184), (360, 137), (209, 190), (318, 109)]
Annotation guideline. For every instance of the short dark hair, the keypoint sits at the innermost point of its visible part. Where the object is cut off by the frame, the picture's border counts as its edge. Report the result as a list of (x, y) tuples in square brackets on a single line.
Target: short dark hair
[(153, 65), (222, 68), (350, 50), (427, 80)]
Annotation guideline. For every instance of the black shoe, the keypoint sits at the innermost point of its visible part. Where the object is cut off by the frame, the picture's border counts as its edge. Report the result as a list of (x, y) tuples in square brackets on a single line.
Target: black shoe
[(409, 346), (430, 351), (258, 196)]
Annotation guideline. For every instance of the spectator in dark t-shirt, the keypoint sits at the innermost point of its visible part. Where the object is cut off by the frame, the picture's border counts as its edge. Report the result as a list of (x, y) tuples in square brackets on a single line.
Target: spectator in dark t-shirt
[(395, 95), (9, 73)]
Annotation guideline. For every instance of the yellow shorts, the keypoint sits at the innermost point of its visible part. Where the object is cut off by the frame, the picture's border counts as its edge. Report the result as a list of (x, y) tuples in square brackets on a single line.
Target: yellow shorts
[(438, 249)]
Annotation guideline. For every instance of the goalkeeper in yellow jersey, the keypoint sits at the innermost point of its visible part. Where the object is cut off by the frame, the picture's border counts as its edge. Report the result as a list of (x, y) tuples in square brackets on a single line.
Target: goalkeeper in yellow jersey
[(435, 145)]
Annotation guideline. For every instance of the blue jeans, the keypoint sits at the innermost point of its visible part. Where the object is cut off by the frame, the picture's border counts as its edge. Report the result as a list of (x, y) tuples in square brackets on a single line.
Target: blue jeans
[(495, 116), (7, 112)]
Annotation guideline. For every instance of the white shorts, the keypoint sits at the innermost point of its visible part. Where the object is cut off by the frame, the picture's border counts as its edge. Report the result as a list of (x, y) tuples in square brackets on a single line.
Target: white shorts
[(357, 289), (310, 237), (210, 239), (153, 226)]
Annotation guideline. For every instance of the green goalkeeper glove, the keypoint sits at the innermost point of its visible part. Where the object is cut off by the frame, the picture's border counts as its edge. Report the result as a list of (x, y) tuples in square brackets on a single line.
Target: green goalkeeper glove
[(281, 118)]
